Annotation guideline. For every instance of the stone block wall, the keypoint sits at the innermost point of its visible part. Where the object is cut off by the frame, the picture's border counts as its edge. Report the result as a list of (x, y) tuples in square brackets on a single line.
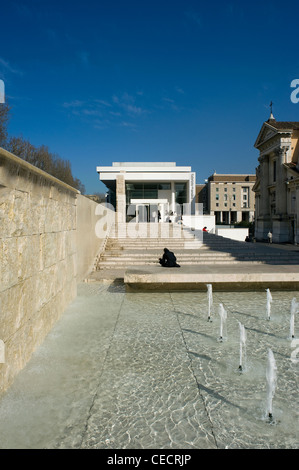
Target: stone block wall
[(41, 224), (93, 227)]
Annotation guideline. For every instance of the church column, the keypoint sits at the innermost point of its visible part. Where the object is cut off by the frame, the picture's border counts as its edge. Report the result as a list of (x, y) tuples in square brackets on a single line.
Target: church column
[(281, 224), (264, 182), (263, 220), (281, 189)]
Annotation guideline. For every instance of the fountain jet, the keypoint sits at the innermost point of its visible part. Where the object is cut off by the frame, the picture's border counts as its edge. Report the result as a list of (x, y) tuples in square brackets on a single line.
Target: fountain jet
[(242, 345), (271, 377), (223, 317), (294, 309), (210, 300), (269, 300)]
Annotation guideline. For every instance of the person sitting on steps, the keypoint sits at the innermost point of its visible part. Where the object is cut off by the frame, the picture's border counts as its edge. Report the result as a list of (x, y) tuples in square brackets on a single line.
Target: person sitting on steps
[(168, 260)]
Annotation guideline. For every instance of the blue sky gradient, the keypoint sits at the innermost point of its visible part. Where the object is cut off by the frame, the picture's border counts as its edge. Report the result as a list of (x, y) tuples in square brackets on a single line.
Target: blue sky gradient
[(185, 81)]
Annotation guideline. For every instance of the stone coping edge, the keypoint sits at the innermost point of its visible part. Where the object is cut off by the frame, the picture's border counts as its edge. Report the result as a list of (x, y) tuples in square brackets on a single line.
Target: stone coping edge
[(4, 154)]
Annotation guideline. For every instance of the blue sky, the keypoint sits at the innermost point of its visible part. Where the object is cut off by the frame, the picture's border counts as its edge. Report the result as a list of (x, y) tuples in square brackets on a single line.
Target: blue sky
[(185, 81)]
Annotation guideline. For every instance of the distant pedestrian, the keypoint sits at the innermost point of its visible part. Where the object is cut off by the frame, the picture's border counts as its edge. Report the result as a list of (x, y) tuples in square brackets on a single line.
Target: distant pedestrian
[(205, 229), (269, 237), (168, 260)]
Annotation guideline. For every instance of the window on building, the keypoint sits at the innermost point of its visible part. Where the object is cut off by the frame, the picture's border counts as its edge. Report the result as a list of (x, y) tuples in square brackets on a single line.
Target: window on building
[(217, 197), (233, 217), (141, 191), (245, 216), (150, 191), (180, 193), (164, 186), (245, 196)]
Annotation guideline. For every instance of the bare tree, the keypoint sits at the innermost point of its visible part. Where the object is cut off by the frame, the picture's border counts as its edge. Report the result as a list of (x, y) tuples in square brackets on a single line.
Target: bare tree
[(4, 117), (41, 157)]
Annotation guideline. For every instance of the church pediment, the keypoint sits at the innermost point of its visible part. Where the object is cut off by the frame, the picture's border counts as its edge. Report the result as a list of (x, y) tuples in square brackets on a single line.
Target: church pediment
[(266, 133)]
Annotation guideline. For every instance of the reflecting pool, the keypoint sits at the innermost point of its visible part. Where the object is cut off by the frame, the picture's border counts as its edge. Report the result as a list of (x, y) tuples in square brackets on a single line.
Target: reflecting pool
[(126, 370)]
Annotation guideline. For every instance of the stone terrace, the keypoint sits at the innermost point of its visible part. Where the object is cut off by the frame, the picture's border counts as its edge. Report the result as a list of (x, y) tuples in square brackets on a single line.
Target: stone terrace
[(204, 258)]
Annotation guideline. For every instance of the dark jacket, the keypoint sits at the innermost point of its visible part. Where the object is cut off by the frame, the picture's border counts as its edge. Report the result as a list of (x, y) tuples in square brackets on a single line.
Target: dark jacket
[(168, 260)]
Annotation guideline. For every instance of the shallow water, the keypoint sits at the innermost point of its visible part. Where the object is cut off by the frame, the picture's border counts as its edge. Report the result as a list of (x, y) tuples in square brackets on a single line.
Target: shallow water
[(147, 370)]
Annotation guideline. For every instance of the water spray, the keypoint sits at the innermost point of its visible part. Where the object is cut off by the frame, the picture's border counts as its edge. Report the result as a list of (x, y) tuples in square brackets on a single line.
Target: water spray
[(242, 345), (223, 317), (269, 300), (210, 300), (294, 309), (271, 382)]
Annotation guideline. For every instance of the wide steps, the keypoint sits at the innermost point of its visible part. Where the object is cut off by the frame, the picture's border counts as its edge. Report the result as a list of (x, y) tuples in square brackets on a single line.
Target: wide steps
[(191, 249), (199, 258), (123, 262), (117, 265)]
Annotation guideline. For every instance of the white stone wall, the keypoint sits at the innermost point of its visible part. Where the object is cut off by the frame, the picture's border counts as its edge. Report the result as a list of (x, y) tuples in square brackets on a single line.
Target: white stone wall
[(233, 233), (46, 233), (93, 227)]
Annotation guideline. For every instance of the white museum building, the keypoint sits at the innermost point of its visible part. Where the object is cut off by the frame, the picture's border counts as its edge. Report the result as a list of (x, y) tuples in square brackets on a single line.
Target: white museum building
[(149, 191)]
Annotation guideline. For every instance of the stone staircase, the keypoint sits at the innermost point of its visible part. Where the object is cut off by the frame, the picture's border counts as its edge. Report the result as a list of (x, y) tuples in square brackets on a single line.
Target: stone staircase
[(190, 247)]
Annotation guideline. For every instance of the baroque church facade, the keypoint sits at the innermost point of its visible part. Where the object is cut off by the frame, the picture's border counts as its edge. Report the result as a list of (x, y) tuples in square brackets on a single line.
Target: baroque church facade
[(277, 181)]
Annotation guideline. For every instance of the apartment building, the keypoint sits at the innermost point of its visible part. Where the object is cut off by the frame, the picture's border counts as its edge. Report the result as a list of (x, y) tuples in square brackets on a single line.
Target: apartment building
[(229, 197)]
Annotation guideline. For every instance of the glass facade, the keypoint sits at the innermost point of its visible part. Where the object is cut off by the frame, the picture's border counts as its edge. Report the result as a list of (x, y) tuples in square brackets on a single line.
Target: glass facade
[(112, 198), (180, 193), (144, 190), (150, 190)]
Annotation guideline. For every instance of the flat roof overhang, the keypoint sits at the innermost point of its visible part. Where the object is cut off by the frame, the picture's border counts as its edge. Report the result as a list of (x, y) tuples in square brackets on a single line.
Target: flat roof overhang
[(109, 179), (144, 169), (159, 174)]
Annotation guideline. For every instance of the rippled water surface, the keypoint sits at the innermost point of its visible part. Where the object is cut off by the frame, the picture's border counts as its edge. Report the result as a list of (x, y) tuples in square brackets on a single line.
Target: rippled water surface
[(147, 370)]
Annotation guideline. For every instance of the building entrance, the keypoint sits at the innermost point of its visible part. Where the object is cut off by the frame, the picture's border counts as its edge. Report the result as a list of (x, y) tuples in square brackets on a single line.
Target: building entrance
[(153, 210)]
